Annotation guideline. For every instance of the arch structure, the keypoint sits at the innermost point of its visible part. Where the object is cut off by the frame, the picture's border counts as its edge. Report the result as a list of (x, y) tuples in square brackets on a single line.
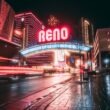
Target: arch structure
[(51, 46)]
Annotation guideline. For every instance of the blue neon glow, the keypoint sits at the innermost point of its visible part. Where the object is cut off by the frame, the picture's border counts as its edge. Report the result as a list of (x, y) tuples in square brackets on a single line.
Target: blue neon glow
[(42, 47)]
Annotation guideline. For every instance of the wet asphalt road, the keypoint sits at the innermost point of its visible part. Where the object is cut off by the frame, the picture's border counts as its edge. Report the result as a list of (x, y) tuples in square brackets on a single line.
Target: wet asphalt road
[(100, 90), (93, 95), (16, 90)]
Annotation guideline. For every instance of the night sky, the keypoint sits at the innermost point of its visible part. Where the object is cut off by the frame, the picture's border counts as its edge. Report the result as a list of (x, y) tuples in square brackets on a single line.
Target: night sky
[(68, 11)]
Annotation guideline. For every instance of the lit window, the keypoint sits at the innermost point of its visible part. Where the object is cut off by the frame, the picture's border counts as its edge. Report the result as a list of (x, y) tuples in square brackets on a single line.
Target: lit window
[(108, 46), (108, 33)]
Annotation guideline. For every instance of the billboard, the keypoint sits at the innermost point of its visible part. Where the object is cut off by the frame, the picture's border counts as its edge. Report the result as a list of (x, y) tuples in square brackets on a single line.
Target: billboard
[(6, 20)]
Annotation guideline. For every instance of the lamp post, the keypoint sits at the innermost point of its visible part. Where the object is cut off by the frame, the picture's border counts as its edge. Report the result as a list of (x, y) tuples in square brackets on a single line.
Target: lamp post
[(24, 36), (80, 62), (23, 33)]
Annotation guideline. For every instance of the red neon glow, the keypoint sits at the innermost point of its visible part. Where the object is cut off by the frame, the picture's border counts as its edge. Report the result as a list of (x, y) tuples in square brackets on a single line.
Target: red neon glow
[(64, 33), (8, 70), (41, 36), (56, 35), (18, 33), (49, 35), (53, 35)]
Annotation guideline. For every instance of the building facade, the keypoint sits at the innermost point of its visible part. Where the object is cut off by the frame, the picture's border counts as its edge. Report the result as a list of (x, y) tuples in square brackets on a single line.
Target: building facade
[(29, 24), (102, 48), (87, 32), (7, 48), (6, 20)]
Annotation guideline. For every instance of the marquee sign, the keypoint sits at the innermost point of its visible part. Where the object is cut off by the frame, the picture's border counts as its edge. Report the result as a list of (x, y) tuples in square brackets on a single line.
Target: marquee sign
[(39, 48), (55, 35)]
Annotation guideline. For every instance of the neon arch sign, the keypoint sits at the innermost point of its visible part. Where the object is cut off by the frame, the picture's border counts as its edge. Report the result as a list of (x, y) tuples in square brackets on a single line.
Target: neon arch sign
[(50, 46), (55, 35)]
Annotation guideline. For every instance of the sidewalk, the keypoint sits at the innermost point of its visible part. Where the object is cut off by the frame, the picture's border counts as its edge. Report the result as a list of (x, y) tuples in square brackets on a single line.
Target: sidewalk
[(92, 95), (75, 96)]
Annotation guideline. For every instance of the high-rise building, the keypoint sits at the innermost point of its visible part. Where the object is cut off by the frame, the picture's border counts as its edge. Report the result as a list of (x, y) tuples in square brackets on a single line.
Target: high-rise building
[(29, 24), (87, 31), (102, 48)]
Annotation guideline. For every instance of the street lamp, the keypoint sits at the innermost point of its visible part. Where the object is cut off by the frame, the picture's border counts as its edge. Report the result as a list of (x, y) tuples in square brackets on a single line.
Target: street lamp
[(106, 61)]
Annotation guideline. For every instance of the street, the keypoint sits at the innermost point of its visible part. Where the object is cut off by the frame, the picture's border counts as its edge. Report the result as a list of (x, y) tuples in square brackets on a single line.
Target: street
[(16, 90), (50, 94)]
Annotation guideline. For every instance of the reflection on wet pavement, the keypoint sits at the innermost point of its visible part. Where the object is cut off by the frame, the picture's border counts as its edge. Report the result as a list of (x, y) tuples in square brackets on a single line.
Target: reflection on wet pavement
[(94, 95), (75, 95)]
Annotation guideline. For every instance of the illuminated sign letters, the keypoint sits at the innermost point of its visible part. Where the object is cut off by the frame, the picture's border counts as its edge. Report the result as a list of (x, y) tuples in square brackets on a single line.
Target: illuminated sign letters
[(53, 35)]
